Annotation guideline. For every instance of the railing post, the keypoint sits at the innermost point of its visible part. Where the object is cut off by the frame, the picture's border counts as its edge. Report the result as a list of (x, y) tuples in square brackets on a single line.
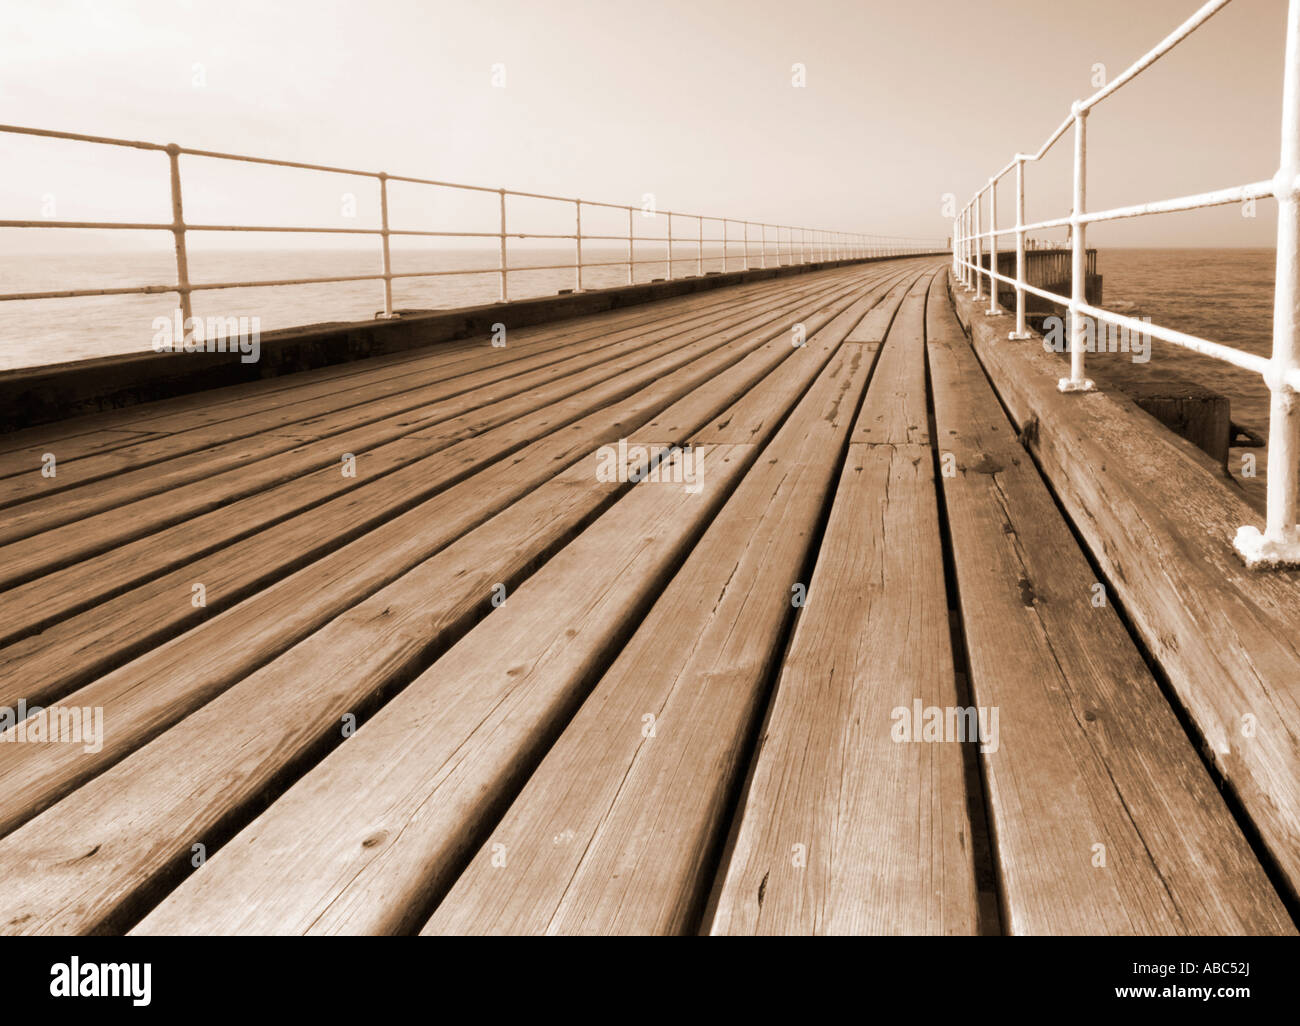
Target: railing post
[(669, 275), (762, 246), (995, 307), (388, 260), (1279, 545), (178, 233), (631, 252), (746, 224), (1022, 331), (505, 291), (979, 245), (968, 247), (1076, 382), (724, 245), (577, 207), (699, 251)]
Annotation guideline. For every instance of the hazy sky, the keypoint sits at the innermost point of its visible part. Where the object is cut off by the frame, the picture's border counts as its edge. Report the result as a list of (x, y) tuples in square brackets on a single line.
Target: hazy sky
[(691, 100)]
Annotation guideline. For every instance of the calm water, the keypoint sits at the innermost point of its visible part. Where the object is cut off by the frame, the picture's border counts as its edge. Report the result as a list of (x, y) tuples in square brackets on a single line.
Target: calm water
[(35, 332), (1224, 295)]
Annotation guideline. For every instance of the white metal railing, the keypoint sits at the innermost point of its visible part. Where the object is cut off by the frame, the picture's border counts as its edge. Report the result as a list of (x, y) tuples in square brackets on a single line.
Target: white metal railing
[(759, 242), (1279, 544)]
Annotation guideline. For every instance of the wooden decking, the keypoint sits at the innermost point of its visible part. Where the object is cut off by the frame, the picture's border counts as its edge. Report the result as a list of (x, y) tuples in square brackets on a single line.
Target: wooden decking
[(381, 648)]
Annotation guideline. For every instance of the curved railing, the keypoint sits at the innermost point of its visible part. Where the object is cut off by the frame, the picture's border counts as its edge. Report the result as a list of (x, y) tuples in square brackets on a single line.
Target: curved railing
[(760, 242), (1279, 544)]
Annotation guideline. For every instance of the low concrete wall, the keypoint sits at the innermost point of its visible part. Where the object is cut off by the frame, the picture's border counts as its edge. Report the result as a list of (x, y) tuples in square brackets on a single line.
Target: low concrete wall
[(42, 394)]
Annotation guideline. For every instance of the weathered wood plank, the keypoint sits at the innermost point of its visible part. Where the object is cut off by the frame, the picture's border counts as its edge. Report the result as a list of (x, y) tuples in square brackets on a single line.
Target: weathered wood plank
[(450, 450), (191, 411), (898, 413), (294, 709), (223, 474), (615, 830), (761, 408), (382, 888), (203, 662), (468, 729), (845, 830), (67, 653), (875, 325), (1090, 753)]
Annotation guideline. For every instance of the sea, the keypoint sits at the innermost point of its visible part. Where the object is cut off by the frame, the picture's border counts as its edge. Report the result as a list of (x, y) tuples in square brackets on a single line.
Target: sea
[(1225, 295), (46, 331)]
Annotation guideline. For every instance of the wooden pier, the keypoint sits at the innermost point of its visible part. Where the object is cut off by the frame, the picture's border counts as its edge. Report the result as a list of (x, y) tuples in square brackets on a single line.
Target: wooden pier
[(382, 648)]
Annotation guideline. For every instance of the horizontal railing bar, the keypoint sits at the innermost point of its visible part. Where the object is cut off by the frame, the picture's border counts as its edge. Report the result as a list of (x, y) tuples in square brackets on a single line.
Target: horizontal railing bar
[(206, 286), (273, 162), (143, 226), (78, 137), (1199, 201), (1236, 357), (309, 230), (1218, 198), (1052, 139), (1159, 50), (332, 169), (132, 290)]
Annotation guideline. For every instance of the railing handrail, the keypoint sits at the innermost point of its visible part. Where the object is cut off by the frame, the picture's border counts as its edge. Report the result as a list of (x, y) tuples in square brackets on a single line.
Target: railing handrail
[(810, 246), (1279, 543)]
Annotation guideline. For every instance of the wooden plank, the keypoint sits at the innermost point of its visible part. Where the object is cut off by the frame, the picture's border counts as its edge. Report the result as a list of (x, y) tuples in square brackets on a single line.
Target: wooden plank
[(200, 409), (898, 413), (1106, 821), (182, 785), (469, 728), (739, 418), (613, 832), (273, 490), (230, 574), (772, 397), (385, 888), (296, 712), (201, 663), (223, 473), (368, 396), (844, 829), (1224, 637), (874, 326)]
